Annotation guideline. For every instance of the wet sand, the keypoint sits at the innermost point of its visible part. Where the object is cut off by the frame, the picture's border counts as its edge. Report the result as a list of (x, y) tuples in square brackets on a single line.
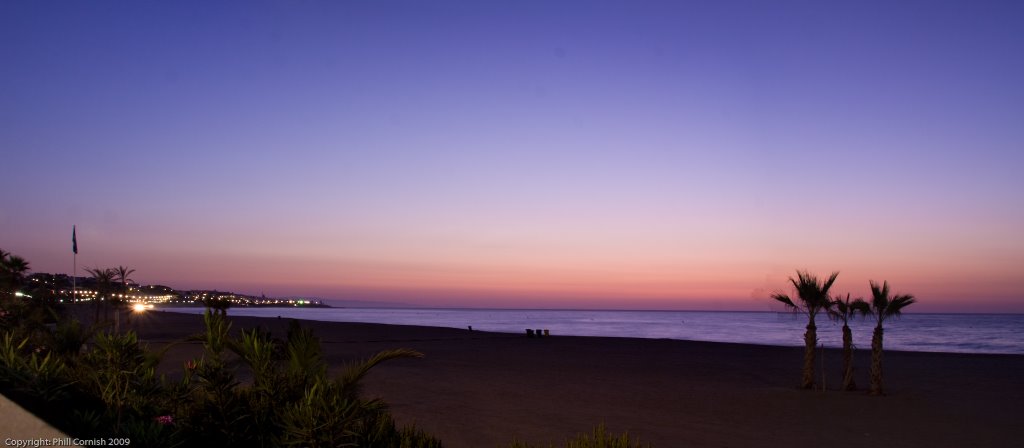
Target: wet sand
[(477, 389)]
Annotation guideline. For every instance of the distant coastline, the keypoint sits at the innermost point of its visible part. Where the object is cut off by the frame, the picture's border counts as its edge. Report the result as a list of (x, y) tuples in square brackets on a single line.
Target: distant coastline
[(67, 289), (171, 306)]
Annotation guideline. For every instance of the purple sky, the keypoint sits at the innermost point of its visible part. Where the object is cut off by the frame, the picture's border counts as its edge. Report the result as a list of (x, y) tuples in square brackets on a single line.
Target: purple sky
[(679, 155)]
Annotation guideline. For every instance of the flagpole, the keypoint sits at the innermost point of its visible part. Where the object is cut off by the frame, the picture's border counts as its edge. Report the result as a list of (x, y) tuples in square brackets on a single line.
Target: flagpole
[(74, 272)]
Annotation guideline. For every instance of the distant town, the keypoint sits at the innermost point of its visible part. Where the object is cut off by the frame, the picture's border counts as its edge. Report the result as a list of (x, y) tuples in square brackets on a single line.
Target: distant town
[(64, 289)]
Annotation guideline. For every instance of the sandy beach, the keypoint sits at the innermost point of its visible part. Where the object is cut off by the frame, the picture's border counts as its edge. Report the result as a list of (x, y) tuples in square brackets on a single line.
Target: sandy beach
[(478, 389)]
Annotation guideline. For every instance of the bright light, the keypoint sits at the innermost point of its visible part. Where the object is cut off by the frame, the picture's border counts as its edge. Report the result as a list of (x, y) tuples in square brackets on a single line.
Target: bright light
[(138, 307)]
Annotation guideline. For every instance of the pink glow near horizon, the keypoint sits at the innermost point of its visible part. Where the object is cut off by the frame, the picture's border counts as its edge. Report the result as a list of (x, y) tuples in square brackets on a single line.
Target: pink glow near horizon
[(644, 277)]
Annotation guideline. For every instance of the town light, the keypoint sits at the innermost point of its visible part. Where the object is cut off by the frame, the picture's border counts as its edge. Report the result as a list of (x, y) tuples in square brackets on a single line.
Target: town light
[(139, 307)]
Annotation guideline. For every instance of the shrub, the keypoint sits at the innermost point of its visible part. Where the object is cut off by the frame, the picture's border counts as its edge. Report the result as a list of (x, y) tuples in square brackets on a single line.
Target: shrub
[(600, 438), (111, 390)]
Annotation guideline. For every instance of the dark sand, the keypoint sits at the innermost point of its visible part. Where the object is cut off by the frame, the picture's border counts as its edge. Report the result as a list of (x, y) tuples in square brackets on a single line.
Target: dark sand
[(476, 389)]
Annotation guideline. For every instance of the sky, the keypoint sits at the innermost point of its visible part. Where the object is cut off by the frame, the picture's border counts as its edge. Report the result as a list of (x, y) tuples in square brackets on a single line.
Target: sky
[(527, 154)]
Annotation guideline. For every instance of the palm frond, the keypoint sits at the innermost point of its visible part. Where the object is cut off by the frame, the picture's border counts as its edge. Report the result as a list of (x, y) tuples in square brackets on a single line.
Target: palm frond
[(828, 283), (305, 357), (845, 308), (812, 292), (897, 304), (122, 273), (840, 309), (800, 280), (354, 373), (879, 295), (859, 306), (785, 300), (883, 305)]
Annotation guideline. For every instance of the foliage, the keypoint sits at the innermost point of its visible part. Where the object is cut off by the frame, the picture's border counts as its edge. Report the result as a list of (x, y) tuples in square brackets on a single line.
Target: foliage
[(29, 371), (883, 306), (121, 274), (122, 374), (14, 309), (812, 294), (69, 336), (12, 272), (93, 384), (812, 298), (104, 278), (842, 311), (380, 432), (600, 438), (216, 337)]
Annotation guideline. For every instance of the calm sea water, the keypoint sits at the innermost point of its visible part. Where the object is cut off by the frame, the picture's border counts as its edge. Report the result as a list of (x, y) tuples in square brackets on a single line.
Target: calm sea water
[(963, 333)]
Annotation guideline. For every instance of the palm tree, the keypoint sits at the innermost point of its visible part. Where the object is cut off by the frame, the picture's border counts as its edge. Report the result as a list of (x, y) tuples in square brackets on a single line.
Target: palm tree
[(121, 273), (104, 280), (13, 269), (813, 298), (843, 310), (3, 270), (883, 306), (3, 261)]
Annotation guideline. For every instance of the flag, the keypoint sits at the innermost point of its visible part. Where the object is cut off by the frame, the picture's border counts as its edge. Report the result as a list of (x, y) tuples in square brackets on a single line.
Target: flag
[(74, 241)]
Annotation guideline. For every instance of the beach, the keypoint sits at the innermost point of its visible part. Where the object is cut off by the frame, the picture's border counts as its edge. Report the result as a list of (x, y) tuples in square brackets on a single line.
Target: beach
[(478, 389)]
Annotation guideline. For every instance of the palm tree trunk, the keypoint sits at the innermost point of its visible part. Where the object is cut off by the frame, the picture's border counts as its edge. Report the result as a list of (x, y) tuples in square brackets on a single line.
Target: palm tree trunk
[(876, 361), (810, 343), (848, 382)]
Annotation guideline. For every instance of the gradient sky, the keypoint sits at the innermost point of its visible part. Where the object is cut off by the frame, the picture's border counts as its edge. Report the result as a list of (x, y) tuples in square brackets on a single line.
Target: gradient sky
[(596, 154)]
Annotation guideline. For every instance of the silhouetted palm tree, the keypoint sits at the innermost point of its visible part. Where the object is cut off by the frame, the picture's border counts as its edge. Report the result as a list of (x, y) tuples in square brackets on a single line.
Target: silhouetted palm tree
[(813, 298), (3, 272), (883, 306), (13, 269), (12, 273), (121, 273), (842, 310), (104, 280), (3, 263)]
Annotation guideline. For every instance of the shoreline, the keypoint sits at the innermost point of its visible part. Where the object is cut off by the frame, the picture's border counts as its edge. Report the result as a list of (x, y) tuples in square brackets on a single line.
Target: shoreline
[(923, 342), (481, 389), (611, 310)]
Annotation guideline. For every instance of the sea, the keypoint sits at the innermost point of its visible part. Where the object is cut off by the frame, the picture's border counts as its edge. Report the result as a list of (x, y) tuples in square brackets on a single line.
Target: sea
[(923, 332)]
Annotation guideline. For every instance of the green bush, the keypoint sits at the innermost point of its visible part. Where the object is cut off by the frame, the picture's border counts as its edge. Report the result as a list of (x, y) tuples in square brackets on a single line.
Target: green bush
[(111, 389), (30, 372), (600, 438), (380, 432)]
